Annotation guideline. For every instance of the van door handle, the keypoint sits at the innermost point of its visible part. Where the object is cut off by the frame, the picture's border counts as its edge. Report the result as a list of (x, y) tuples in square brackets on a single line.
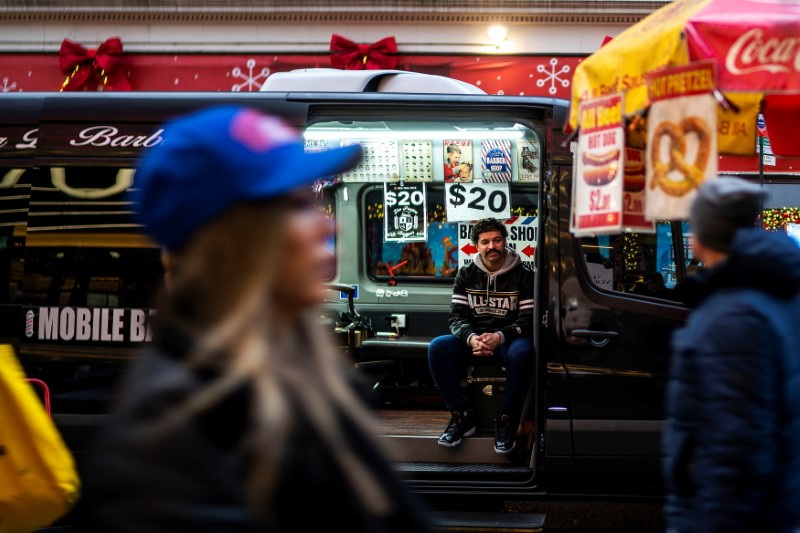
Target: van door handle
[(593, 334), (597, 338)]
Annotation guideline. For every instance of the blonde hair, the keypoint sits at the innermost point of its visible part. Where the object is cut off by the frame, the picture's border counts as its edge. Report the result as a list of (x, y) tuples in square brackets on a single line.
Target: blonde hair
[(219, 292)]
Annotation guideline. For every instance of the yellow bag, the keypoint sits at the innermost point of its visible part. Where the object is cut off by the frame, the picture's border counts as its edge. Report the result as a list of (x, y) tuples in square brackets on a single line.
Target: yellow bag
[(38, 479)]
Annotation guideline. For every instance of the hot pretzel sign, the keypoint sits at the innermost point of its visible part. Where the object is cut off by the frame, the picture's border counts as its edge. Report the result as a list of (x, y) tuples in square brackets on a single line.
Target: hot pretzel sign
[(681, 138)]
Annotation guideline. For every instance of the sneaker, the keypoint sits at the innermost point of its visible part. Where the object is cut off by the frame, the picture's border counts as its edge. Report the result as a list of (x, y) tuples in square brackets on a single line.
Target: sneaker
[(462, 424), (504, 434)]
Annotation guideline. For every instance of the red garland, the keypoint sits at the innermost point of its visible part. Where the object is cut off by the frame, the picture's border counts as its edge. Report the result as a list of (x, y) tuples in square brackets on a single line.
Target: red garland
[(347, 55), (86, 68)]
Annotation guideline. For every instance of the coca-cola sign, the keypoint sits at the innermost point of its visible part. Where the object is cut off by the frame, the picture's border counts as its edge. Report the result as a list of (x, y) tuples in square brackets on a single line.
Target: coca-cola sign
[(756, 43), (752, 53)]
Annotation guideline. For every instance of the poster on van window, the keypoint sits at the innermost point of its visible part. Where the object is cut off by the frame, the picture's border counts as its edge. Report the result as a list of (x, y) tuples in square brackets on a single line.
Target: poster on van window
[(417, 160), (496, 160), (681, 138), (528, 161), (633, 195), (405, 212), (457, 161), (380, 161), (523, 234), (597, 186)]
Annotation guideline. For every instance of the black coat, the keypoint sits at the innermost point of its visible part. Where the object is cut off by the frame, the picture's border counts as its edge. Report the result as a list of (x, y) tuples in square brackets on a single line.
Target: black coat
[(732, 440), (192, 476)]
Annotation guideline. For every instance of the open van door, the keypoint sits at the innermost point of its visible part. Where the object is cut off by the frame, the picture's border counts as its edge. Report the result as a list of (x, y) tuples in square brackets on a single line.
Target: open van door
[(616, 310)]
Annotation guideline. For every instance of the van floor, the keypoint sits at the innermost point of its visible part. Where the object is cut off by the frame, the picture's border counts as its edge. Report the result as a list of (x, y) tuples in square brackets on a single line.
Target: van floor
[(415, 422)]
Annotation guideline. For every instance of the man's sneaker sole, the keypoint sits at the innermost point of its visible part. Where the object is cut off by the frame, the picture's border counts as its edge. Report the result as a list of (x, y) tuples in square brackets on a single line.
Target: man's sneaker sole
[(446, 444), (496, 450)]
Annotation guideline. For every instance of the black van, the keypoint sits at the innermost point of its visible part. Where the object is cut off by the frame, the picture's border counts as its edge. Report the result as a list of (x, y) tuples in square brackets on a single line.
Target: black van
[(82, 278)]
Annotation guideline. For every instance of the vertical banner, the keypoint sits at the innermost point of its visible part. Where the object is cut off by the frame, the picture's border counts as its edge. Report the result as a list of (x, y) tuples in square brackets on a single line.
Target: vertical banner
[(597, 188), (633, 195), (405, 216), (457, 161), (528, 160), (417, 160), (496, 160), (681, 138)]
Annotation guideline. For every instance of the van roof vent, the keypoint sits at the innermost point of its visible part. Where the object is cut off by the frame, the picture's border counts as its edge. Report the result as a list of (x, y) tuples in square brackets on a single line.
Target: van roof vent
[(365, 81)]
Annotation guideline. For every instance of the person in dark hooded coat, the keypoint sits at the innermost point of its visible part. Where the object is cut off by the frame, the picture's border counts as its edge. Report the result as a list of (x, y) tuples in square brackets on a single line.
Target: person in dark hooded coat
[(732, 439)]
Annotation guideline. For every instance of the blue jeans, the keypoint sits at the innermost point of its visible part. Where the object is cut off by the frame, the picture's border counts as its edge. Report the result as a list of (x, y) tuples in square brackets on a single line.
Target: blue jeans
[(448, 355)]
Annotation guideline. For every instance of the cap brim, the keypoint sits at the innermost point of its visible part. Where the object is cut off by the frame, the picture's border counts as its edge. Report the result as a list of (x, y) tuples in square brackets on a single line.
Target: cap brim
[(292, 166)]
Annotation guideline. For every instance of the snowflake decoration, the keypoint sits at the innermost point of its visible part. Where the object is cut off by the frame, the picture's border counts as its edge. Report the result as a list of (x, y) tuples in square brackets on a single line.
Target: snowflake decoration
[(552, 76), (5, 87), (251, 80)]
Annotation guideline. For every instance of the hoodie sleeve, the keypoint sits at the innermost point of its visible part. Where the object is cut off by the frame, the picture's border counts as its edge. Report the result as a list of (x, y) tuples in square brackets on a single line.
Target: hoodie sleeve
[(523, 325), (460, 325)]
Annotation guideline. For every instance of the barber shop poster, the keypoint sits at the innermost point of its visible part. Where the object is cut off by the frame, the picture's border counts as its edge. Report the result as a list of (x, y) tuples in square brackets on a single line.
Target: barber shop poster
[(529, 160), (597, 186), (496, 160), (417, 160), (681, 138), (405, 216), (457, 161)]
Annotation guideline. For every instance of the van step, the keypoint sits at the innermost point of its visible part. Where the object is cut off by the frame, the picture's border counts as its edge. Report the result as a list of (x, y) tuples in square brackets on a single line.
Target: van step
[(468, 468), (489, 521)]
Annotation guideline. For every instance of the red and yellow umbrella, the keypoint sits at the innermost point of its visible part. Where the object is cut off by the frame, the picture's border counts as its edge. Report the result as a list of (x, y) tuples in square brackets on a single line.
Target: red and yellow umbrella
[(756, 47)]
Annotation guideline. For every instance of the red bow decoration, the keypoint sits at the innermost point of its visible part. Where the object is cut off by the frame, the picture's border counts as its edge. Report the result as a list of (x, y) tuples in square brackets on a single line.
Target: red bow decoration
[(347, 55), (88, 68)]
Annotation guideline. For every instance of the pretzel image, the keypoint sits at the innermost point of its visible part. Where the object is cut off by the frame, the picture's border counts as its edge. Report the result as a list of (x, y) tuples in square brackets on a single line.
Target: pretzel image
[(600, 169), (693, 173)]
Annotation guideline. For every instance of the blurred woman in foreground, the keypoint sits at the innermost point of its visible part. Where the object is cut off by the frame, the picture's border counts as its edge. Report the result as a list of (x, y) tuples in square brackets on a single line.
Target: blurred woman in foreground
[(241, 416)]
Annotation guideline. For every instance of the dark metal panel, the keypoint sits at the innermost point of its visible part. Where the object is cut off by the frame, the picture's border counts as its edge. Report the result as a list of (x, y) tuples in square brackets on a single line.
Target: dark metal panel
[(122, 125), (19, 118)]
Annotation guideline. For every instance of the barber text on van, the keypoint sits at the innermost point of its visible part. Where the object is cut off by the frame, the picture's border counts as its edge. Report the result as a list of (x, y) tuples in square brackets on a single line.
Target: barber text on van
[(90, 324), (109, 136)]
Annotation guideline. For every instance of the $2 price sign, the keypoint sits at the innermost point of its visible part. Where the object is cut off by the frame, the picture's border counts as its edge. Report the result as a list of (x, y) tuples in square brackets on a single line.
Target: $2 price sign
[(473, 201)]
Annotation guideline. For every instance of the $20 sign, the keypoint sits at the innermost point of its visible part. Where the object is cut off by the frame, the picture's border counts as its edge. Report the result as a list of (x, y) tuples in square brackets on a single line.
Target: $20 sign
[(473, 201)]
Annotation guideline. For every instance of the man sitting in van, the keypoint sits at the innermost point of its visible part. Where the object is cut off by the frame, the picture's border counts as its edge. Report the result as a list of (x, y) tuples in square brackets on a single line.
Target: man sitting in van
[(491, 318)]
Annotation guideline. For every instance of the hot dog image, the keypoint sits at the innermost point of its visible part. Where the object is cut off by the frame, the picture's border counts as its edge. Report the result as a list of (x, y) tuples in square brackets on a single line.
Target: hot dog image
[(600, 169), (633, 180)]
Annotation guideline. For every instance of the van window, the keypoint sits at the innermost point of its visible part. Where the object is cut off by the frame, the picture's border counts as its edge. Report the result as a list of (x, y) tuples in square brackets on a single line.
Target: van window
[(326, 199), (438, 256), (435, 258), (432, 151), (15, 186), (82, 248), (641, 264)]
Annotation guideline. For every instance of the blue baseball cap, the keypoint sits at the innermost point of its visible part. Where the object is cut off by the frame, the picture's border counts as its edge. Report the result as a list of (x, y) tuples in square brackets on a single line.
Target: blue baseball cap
[(216, 158)]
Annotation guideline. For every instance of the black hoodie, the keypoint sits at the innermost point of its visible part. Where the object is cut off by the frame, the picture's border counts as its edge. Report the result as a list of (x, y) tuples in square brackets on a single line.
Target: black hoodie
[(486, 301)]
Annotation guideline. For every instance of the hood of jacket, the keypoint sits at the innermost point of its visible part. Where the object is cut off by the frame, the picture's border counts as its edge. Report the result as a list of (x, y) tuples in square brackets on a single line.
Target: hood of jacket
[(762, 260), (512, 259)]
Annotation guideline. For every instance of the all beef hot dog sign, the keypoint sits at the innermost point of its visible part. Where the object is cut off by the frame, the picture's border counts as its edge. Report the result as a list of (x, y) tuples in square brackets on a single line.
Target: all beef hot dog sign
[(597, 187)]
